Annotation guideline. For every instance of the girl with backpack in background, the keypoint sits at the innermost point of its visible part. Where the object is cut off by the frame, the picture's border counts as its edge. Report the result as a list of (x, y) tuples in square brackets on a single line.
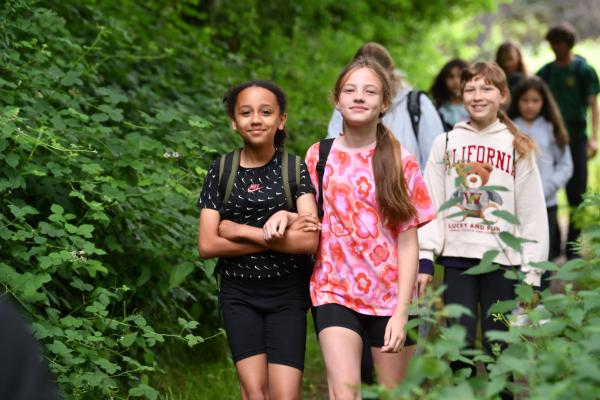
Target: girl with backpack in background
[(373, 200), (535, 112), (446, 95), (509, 58), (264, 268), (483, 154)]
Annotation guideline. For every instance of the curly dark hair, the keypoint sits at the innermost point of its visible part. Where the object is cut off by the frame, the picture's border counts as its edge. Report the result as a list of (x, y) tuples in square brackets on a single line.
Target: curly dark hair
[(230, 98), (439, 91)]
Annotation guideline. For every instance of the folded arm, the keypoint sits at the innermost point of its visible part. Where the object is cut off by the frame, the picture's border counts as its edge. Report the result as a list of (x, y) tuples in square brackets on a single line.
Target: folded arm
[(210, 244), (291, 241)]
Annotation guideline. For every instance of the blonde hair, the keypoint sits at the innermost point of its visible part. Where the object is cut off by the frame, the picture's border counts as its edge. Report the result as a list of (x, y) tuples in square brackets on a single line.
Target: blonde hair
[(392, 194), (493, 74)]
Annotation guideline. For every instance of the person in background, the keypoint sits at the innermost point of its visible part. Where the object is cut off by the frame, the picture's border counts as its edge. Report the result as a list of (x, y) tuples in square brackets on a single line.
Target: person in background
[(509, 58), (446, 95), (535, 112), (574, 85)]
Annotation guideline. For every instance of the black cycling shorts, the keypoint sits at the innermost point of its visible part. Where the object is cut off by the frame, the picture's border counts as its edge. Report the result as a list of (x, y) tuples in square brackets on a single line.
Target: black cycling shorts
[(372, 326), (266, 316)]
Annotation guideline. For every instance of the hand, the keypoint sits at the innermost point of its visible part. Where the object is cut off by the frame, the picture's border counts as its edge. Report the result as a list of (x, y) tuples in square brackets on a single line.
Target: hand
[(394, 337), (306, 222), (229, 230), (422, 281), (592, 148), (275, 226)]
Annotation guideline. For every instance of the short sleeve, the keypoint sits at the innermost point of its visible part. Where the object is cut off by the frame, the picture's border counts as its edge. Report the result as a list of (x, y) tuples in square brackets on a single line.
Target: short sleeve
[(312, 157), (417, 190), (210, 196), (591, 85), (305, 185)]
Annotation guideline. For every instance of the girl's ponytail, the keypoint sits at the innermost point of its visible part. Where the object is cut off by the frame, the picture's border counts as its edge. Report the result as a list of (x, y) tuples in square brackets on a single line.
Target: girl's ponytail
[(522, 143), (391, 191)]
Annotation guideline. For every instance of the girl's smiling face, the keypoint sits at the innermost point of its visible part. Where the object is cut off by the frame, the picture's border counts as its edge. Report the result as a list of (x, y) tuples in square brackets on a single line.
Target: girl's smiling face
[(453, 81), (530, 105), (510, 61), (257, 116), (360, 99), (482, 101)]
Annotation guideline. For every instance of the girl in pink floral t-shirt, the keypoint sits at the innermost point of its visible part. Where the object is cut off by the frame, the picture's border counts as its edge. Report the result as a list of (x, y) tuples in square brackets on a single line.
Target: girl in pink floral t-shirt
[(374, 199)]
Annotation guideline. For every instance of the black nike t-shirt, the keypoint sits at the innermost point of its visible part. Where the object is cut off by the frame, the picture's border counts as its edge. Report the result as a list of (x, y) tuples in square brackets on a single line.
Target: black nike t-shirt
[(256, 195)]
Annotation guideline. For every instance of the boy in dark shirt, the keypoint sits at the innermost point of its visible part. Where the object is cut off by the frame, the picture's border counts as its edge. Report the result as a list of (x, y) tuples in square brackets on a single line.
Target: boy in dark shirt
[(574, 84)]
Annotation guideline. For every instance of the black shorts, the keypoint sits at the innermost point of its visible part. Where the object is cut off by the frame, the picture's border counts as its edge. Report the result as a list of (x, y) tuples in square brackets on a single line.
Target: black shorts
[(372, 326), (266, 316)]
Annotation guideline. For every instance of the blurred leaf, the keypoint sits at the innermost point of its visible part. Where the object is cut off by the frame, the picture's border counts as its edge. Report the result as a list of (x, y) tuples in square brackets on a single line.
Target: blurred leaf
[(485, 265), (507, 216)]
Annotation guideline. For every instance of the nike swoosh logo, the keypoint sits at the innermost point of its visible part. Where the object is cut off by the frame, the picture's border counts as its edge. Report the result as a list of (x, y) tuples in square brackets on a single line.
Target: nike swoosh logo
[(254, 187)]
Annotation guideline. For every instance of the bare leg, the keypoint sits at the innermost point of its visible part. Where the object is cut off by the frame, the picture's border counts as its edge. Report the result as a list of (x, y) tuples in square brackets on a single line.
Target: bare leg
[(285, 382), (391, 367), (341, 348), (252, 373)]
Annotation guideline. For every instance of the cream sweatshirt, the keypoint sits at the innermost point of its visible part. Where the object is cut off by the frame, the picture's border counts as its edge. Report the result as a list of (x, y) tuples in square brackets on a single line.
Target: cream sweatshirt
[(491, 181)]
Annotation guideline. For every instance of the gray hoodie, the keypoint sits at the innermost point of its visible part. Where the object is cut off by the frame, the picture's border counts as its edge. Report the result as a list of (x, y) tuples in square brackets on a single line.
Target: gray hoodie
[(555, 165)]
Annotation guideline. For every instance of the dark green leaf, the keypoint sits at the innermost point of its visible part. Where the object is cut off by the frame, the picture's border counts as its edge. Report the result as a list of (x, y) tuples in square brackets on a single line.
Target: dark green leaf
[(486, 265)]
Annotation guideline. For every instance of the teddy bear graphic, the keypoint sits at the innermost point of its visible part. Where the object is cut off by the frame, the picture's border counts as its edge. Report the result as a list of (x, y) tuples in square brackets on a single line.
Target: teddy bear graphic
[(473, 201)]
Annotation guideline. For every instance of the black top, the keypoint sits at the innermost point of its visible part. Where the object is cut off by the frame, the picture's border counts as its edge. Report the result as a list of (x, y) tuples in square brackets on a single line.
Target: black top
[(256, 195)]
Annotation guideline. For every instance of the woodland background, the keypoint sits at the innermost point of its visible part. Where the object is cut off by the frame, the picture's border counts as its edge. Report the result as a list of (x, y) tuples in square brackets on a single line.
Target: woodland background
[(110, 113)]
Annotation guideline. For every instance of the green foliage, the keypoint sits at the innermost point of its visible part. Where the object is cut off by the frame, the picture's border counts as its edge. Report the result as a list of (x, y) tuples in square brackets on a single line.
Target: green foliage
[(553, 355), (102, 134), (109, 116)]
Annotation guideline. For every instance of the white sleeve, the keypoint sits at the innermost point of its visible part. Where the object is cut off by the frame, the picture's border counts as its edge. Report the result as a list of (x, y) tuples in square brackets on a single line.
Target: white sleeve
[(430, 127), (336, 125), (530, 209), (431, 236)]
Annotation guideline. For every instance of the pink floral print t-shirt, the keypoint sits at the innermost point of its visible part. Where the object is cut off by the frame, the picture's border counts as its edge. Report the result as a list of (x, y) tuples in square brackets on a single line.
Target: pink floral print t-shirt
[(356, 264)]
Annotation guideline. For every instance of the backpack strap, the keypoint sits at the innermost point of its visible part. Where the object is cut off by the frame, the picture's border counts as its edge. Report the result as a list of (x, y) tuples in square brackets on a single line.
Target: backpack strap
[(290, 168), (228, 167), (413, 106), (324, 149)]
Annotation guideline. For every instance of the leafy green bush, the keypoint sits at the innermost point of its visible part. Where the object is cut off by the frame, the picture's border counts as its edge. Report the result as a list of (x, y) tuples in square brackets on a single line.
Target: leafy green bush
[(104, 141), (109, 116), (556, 355)]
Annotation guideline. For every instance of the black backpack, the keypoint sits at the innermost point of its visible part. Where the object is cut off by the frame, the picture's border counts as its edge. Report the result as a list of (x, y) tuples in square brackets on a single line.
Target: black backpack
[(290, 167), (413, 105)]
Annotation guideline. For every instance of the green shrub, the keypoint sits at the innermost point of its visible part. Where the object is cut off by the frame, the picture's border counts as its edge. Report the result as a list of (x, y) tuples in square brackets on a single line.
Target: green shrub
[(109, 116), (555, 356), (105, 139)]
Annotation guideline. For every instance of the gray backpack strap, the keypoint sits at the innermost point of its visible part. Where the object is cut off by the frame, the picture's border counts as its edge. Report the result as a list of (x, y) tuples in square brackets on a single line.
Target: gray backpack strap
[(290, 176), (228, 167)]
